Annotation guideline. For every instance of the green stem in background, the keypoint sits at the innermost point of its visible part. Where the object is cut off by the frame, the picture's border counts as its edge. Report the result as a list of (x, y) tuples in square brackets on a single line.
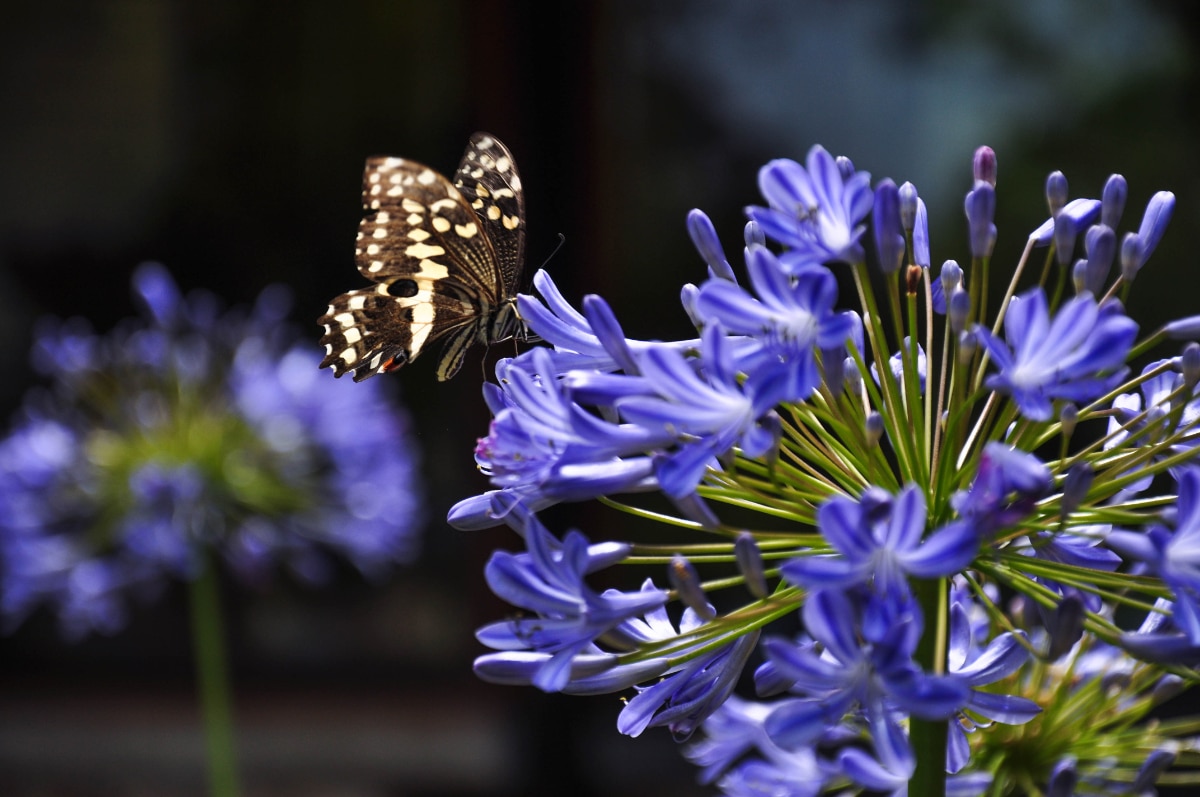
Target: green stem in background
[(208, 647)]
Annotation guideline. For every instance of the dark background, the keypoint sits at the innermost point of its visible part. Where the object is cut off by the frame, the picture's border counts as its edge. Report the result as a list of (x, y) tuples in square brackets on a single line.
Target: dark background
[(226, 139)]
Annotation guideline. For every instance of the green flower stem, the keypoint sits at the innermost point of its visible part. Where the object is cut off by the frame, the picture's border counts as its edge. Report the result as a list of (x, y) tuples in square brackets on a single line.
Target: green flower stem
[(929, 736), (208, 644)]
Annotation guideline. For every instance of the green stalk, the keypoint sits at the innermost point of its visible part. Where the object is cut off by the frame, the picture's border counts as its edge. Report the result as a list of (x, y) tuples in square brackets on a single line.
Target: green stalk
[(208, 647), (928, 737)]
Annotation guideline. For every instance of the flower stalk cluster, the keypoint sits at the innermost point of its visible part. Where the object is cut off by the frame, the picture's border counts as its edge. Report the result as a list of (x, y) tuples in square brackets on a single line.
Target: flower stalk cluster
[(958, 532)]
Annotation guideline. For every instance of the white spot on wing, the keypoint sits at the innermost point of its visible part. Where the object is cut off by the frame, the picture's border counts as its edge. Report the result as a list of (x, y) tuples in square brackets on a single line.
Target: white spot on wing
[(423, 251)]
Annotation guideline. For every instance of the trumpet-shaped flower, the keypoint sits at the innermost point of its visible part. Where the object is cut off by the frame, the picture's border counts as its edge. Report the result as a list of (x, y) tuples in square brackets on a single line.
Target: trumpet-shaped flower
[(1078, 355), (816, 212)]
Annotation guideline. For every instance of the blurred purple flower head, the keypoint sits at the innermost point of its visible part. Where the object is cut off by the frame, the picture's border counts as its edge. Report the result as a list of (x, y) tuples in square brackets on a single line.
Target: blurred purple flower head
[(193, 429)]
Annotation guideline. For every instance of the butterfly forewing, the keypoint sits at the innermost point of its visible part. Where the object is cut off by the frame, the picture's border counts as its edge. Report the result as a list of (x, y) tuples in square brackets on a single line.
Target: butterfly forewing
[(445, 258), (488, 179)]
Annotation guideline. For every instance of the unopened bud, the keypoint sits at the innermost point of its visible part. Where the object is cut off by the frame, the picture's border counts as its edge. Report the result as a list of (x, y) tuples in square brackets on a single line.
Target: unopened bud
[(951, 276), (1064, 238), (1063, 778), (1079, 275), (958, 308), (889, 237), (753, 234), (704, 238), (1189, 365), (688, 295), (912, 279), (1056, 192), (1131, 256), (686, 583), (967, 345), (1065, 626), (1100, 242), (1112, 201), (1068, 416), (874, 428), (750, 564), (1155, 764), (984, 166), (908, 206), (1076, 484)]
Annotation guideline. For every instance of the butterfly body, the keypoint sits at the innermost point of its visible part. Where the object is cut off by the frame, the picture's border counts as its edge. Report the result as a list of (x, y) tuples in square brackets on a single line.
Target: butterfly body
[(445, 259)]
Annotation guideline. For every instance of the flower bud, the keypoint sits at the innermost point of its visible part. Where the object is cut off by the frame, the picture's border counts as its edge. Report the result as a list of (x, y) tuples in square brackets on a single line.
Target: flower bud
[(984, 166), (1189, 365), (958, 309), (874, 428), (1075, 486), (1187, 328), (1154, 222), (951, 276), (1056, 192), (1131, 256), (833, 364), (967, 345), (920, 236), (889, 237), (750, 564), (908, 206), (1112, 201), (753, 234), (1079, 274), (980, 207), (704, 238), (1068, 417), (1168, 687), (1065, 626), (687, 297), (1064, 238), (686, 583), (845, 166), (912, 279), (1063, 778), (1100, 242), (1155, 764)]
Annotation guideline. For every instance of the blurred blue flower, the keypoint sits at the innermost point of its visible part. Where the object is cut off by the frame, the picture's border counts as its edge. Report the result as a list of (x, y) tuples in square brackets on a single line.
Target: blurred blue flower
[(193, 429)]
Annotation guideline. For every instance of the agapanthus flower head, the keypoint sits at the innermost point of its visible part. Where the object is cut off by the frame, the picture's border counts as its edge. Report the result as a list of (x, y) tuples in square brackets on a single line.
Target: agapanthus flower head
[(880, 471), (193, 435)]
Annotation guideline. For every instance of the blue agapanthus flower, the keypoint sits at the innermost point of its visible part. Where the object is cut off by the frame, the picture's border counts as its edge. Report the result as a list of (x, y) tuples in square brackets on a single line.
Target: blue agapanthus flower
[(792, 318), (190, 433), (816, 212), (1078, 355)]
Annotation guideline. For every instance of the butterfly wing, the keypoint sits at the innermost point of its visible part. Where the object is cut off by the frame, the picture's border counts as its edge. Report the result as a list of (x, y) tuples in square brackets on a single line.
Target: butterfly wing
[(487, 177), (434, 264)]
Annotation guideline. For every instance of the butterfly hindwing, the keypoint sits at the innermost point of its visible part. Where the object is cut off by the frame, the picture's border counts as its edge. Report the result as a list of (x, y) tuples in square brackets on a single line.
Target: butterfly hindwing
[(445, 258)]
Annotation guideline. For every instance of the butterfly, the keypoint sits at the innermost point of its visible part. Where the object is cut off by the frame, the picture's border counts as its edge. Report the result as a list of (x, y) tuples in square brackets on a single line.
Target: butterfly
[(446, 259)]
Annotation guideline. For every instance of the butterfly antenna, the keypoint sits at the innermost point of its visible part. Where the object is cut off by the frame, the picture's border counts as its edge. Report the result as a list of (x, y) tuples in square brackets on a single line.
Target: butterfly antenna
[(562, 239)]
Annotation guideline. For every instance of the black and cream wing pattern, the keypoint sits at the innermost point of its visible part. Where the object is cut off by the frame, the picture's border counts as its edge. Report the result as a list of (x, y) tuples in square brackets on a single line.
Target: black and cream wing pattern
[(445, 260)]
